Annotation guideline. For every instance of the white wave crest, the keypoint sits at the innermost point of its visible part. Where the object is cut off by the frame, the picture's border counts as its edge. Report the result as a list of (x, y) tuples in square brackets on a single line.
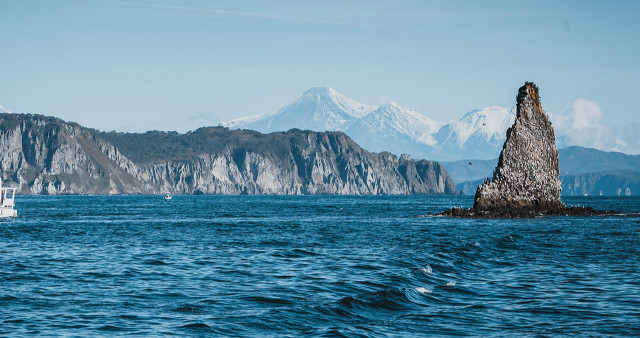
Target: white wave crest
[(427, 269), (423, 290)]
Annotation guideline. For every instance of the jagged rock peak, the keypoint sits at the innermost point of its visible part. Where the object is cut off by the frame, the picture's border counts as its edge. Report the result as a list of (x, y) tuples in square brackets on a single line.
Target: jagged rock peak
[(529, 91), (527, 176), (526, 181)]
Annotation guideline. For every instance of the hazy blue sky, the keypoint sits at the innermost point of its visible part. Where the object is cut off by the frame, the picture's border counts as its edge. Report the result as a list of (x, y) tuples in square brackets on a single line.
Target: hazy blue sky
[(176, 65)]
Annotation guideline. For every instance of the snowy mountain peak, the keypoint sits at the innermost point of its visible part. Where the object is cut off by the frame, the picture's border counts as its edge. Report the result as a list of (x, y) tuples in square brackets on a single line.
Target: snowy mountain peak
[(401, 117), (319, 109), (391, 127), (332, 99), (484, 111), (390, 108), (478, 134), (490, 122), (321, 91), (393, 106), (394, 128)]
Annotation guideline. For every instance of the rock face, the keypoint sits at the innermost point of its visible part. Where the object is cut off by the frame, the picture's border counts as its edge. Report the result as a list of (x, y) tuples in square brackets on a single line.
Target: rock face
[(526, 181), (45, 155), (527, 175)]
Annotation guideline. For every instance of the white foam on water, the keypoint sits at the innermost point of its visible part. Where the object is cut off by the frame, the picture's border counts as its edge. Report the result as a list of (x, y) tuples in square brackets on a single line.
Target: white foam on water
[(423, 290), (450, 284), (427, 269)]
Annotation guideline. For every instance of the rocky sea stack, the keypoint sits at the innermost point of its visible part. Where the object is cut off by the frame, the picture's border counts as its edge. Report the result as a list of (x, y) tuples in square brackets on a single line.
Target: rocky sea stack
[(526, 181)]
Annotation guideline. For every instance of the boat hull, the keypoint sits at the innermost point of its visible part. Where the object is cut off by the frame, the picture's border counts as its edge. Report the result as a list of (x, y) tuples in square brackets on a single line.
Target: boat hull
[(8, 212)]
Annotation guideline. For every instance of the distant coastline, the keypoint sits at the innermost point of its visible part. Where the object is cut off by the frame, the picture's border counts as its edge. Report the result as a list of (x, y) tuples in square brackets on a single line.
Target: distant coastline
[(46, 155), (583, 172)]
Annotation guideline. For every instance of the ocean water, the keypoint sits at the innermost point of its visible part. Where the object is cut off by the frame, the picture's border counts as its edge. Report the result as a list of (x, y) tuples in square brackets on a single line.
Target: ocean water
[(313, 265)]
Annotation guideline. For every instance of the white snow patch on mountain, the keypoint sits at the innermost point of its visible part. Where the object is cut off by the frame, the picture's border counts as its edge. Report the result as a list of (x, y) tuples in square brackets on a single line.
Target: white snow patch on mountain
[(319, 109), (351, 107), (396, 118), (394, 128), (391, 127), (488, 124), (479, 134)]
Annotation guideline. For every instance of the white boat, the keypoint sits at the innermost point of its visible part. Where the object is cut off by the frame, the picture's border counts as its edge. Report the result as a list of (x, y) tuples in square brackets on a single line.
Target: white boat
[(167, 197), (7, 201)]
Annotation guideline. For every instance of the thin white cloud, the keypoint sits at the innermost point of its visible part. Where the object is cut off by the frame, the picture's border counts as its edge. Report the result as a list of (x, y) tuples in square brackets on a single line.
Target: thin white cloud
[(205, 118), (580, 123), (246, 14)]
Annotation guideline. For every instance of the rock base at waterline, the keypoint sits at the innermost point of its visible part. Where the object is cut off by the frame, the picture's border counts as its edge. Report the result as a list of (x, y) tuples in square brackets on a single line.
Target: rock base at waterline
[(524, 212)]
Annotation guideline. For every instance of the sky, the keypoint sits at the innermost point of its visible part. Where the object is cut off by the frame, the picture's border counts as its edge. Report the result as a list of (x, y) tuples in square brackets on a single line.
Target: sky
[(137, 65)]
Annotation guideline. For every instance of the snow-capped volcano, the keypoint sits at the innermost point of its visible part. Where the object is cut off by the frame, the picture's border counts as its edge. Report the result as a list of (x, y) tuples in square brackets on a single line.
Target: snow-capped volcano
[(394, 128), (478, 134), (391, 127), (398, 119), (490, 122), (319, 109)]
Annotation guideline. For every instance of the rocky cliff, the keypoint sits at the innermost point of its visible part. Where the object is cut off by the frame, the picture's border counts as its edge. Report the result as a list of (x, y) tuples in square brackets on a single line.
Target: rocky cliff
[(526, 181), (527, 175), (612, 183), (45, 155)]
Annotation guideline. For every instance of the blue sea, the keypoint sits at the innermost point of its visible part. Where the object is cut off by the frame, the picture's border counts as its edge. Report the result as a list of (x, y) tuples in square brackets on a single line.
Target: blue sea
[(354, 266)]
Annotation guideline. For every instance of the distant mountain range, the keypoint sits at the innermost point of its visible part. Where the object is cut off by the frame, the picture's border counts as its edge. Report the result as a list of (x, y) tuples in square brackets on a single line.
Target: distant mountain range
[(583, 171), (390, 127), (479, 134)]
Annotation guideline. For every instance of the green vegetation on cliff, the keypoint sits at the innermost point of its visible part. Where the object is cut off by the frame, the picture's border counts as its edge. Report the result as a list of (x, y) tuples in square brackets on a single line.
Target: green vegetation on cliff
[(46, 155)]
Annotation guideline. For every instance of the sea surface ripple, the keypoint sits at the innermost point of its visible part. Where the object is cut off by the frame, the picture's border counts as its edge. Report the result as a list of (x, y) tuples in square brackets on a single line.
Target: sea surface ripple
[(313, 265)]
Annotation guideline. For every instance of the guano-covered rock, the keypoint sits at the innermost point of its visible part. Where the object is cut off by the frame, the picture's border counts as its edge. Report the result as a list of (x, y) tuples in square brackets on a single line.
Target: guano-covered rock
[(526, 181), (527, 175)]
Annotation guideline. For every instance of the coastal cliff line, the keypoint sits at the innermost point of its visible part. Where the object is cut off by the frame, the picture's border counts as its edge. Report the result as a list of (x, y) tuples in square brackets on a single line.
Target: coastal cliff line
[(46, 155)]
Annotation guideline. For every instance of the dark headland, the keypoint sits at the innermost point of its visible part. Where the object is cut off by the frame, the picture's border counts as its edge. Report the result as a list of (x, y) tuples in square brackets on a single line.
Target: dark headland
[(46, 155), (526, 181)]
